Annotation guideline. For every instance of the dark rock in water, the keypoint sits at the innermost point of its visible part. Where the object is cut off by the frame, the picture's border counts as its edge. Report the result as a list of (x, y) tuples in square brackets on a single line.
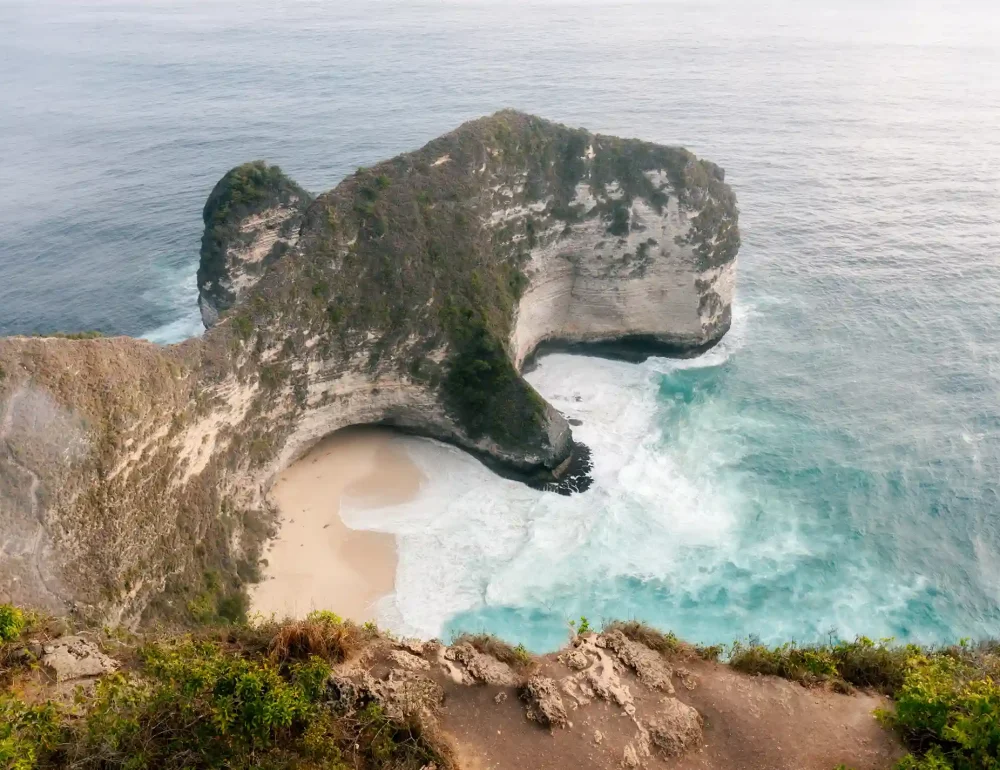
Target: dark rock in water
[(573, 476), (411, 295)]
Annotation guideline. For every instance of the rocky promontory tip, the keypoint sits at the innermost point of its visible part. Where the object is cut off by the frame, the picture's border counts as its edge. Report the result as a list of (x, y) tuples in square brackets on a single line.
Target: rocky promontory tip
[(252, 218), (412, 295)]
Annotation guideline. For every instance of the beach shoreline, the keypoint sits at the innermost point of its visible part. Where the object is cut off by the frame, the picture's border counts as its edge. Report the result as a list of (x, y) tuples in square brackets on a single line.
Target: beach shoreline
[(317, 562)]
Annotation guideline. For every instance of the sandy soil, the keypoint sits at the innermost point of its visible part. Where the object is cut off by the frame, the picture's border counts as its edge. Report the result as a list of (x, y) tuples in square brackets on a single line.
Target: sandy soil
[(316, 561), (751, 723)]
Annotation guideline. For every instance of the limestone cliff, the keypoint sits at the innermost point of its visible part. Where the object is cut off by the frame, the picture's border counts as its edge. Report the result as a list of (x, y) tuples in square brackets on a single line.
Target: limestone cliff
[(411, 295), (252, 219)]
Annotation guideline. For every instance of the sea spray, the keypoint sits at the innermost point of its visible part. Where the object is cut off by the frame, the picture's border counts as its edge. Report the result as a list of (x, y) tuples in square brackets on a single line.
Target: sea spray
[(712, 514)]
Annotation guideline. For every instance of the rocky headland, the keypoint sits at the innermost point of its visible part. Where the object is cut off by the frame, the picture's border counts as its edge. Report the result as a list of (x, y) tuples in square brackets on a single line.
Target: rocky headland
[(134, 478), (136, 490)]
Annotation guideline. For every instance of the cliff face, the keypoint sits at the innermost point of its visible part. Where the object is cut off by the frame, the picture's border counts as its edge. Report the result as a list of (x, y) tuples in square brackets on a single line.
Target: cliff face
[(252, 219), (411, 295)]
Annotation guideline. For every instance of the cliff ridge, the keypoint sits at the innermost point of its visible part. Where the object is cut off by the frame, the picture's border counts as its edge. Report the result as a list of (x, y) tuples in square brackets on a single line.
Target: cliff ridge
[(134, 477)]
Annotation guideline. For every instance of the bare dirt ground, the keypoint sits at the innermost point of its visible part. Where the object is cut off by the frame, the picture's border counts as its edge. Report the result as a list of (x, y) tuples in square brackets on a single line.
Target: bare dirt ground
[(609, 702), (750, 723)]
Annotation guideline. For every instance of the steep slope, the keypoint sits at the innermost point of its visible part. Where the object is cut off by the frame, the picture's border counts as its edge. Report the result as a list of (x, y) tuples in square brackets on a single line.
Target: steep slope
[(411, 295)]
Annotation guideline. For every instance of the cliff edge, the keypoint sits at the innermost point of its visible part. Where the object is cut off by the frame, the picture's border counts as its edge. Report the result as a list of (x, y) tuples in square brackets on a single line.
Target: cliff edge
[(134, 477)]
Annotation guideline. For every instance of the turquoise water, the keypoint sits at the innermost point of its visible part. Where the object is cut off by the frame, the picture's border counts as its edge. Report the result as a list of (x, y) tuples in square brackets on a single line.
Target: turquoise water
[(832, 468)]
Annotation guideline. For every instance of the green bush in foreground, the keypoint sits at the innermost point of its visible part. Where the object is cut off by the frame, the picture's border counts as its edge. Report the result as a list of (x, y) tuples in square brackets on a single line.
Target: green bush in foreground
[(27, 733), (196, 704), (12, 623), (949, 704)]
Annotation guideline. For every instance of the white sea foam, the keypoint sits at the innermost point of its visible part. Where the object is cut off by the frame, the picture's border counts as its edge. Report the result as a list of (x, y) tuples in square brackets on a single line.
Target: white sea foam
[(472, 539), (176, 290), (176, 331)]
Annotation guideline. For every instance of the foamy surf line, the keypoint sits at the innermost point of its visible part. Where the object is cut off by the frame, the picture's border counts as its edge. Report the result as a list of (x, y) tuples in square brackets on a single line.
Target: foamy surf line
[(471, 540)]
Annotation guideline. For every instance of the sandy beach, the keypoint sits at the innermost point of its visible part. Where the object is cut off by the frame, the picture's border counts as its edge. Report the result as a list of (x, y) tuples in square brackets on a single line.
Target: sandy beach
[(316, 561)]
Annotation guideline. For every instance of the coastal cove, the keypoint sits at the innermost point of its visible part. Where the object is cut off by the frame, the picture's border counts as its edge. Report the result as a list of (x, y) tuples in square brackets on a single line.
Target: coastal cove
[(831, 467), (500, 385)]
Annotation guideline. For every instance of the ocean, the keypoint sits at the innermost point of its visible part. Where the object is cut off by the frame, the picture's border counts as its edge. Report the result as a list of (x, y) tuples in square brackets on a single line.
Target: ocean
[(831, 469)]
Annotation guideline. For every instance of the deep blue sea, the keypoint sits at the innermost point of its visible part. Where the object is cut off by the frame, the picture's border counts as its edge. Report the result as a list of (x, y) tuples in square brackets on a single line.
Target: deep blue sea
[(832, 468)]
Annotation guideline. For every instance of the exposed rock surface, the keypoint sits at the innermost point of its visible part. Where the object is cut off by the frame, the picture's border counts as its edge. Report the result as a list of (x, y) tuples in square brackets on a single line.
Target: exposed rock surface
[(545, 704), (73, 657), (675, 728), (649, 666), (750, 722), (411, 295), (252, 219), (481, 668)]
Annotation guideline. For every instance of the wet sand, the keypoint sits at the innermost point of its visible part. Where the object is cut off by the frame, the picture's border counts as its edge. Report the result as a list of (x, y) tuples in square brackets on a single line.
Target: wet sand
[(316, 562)]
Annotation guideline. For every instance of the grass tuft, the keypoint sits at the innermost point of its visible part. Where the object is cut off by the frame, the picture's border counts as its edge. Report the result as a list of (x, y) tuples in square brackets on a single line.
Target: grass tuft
[(665, 643), (322, 634), (516, 657)]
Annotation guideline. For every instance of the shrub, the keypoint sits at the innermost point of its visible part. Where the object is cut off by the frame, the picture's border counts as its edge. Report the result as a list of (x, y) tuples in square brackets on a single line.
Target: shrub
[(322, 634), (947, 708), (406, 744), (27, 733), (620, 217), (862, 663), (867, 663), (806, 665), (932, 760), (12, 623), (243, 325), (200, 706), (710, 652)]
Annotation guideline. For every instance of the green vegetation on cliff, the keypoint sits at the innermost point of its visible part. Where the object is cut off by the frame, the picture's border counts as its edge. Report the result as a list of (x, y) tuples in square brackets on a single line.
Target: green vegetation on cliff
[(946, 702), (250, 697), (407, 261), (244, 191)]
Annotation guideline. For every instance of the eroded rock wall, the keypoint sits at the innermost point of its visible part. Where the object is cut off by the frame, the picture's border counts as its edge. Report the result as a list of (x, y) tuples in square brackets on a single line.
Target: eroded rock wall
[(588, 285), (134, 478)]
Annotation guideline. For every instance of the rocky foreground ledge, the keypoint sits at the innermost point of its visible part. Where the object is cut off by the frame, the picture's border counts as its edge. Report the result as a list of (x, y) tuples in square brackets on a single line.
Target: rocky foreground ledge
[(322, 693), (134, 478)]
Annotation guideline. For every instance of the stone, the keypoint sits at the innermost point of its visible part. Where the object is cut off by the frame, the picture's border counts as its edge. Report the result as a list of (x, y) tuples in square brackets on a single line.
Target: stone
[(483, 668), (649, 665), (575, 659), (676, 727), (73, 657), (408, 660), (545, 705)]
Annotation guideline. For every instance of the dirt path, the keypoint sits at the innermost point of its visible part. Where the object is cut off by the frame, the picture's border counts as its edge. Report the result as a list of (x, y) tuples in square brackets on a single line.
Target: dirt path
[(750, 723)]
